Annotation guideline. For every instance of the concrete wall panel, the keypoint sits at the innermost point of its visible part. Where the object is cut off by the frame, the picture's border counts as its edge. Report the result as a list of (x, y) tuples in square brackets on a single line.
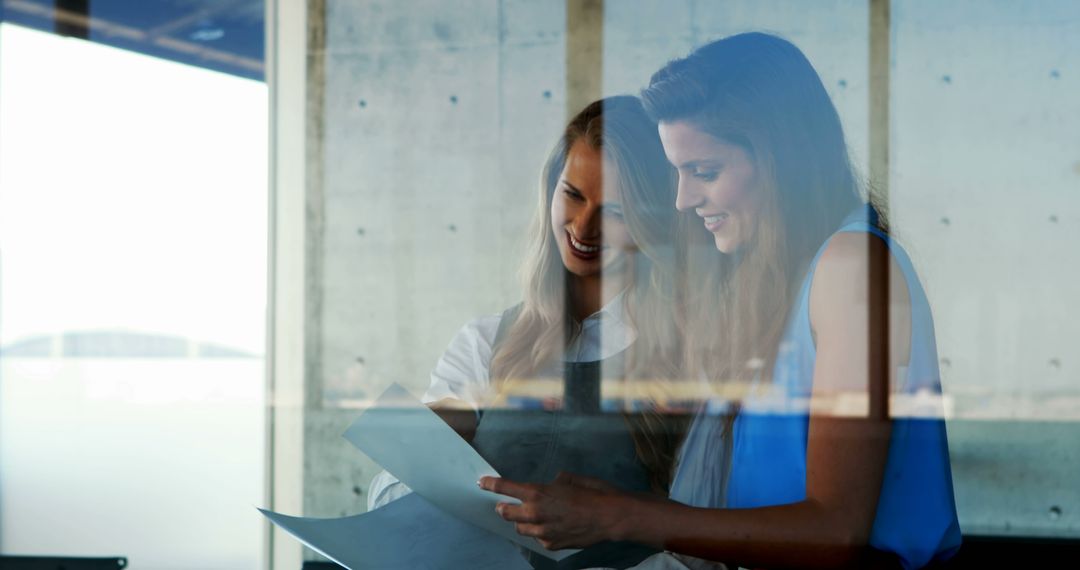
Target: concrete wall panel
[(985, 194), (435, 128)]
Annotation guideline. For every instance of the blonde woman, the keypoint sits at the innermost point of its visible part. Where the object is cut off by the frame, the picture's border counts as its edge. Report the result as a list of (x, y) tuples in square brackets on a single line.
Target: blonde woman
[(810, 302), (598, 303)]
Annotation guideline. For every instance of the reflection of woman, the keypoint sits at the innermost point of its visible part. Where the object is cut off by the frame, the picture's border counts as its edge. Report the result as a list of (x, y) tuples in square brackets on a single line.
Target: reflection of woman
[(596, 306), (810, 302)]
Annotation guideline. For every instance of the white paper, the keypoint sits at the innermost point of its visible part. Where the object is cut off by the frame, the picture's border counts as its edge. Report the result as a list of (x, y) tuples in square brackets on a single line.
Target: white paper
[(407, 534), (416, 446)]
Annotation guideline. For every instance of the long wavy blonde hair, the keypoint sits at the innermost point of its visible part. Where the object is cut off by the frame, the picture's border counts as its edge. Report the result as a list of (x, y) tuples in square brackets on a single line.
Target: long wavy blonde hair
[(623, 132)]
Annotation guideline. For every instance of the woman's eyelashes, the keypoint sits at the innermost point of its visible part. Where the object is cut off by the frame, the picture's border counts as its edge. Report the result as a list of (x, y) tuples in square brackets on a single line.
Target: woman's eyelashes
[(573, 194), (705, 175), (614, 212)]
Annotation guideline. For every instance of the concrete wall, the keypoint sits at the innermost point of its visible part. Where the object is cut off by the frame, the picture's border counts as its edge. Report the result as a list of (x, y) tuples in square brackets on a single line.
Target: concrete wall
[(435, 118), (985, 193)]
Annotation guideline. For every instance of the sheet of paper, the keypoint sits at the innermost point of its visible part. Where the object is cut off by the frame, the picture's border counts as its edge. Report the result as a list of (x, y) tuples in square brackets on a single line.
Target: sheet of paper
[(416, 446), (407, 534)]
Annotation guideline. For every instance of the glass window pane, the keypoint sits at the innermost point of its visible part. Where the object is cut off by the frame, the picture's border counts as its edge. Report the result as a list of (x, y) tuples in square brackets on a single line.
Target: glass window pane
[(132, 306)]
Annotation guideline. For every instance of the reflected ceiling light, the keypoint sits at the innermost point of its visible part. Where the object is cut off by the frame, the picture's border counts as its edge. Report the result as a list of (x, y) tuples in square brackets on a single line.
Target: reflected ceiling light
[(207, 34)]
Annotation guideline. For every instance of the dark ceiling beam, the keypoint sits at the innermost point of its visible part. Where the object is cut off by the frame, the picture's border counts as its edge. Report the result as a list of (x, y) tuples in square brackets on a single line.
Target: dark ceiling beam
[(74, 20), (75, 27)]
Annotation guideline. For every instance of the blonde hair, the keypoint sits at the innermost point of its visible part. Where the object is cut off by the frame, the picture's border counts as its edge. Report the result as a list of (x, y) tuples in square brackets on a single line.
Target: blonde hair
[(620, 128)]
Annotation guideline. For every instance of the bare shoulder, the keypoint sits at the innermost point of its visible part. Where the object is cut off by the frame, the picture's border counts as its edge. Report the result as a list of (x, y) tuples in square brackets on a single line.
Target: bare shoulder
[(844, 268), (854, 268), (848, 251)]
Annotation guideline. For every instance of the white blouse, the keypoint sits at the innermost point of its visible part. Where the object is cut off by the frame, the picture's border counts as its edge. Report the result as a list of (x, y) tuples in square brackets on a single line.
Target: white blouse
[(463, 371)]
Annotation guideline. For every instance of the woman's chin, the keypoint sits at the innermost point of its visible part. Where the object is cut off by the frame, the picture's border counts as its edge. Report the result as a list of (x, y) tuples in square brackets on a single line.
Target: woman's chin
[(609, 264), (725, 244), (581, 267)]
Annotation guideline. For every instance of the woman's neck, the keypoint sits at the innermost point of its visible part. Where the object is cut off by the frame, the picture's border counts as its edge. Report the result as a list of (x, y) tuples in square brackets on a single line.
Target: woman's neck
[(589, 294)]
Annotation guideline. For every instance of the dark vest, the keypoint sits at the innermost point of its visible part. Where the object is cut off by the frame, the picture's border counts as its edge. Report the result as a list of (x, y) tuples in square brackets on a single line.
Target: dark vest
[(533, 445)]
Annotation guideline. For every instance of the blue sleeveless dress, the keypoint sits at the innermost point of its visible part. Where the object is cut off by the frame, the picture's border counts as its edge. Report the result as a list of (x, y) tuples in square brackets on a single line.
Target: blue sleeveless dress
[(916, 512)]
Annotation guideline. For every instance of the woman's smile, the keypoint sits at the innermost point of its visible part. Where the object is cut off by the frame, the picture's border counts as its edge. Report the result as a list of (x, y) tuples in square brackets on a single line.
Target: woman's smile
[(716, 181), (588, 211), (583, 250), (715, 221)]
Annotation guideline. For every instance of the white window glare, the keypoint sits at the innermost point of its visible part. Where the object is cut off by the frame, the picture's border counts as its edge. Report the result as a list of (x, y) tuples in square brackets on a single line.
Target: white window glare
[(133, 247)]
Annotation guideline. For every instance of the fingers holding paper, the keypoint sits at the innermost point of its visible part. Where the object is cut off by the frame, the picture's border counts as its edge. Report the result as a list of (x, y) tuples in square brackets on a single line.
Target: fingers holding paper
[(571, 512)]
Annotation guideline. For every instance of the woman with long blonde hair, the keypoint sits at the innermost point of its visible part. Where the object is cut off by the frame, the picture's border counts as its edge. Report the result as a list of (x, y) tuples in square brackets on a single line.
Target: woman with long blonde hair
[(810, 318), (564, 382)]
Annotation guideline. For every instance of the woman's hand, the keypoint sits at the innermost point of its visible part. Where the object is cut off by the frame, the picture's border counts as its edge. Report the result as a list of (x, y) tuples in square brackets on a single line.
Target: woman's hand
[(572, 512)]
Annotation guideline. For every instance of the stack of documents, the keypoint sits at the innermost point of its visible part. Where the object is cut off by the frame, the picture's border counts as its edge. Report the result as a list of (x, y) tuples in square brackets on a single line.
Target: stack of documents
[(448, 521)]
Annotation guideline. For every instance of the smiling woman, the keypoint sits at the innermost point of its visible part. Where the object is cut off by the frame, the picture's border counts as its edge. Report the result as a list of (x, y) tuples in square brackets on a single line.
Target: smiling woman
[(591, 218), (587, 222), (716, 182), (808, 298), (602, 259)]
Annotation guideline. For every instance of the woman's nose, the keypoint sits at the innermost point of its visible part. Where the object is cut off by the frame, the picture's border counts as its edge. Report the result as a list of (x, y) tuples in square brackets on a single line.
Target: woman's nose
[(687, 196), (588, 223)]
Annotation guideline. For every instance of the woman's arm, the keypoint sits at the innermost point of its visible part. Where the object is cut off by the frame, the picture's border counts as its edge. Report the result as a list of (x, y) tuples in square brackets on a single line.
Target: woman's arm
[(850, 309), (800, 535), (463, 370), (460, 380)]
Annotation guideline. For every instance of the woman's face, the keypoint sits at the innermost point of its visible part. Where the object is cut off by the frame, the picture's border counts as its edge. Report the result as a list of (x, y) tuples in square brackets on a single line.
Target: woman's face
[(717, 181), (587, 216)]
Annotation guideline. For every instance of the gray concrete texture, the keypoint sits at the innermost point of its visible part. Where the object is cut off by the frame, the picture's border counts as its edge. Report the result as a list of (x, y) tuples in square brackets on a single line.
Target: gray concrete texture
[(437, 117)]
